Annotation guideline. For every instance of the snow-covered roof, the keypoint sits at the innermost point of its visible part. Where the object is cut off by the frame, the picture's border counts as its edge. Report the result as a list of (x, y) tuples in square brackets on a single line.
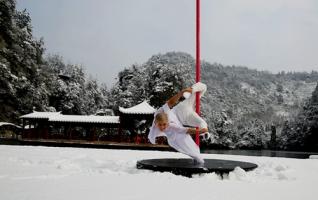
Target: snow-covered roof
[(8, 124), (142, 108), (58, 117), (40, 115), (85, 118)]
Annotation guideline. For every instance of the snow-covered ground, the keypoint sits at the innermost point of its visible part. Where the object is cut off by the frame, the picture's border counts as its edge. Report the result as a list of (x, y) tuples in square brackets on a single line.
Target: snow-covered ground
[(45, 173)]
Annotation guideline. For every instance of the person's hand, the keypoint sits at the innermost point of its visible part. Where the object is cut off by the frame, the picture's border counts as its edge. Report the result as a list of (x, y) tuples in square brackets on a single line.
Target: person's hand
[(203, 130), (191, 131), (189, 89)]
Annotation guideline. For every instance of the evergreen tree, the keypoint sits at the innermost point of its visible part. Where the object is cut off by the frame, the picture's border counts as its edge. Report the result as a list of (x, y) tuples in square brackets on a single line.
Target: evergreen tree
[(166, 75), (69, 89), (311, 113), (301, 133), (20, 59), (130, 88)]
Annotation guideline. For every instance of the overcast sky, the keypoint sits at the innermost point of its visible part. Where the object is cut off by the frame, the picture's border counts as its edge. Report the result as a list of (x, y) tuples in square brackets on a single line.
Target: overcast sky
[(108, 35)]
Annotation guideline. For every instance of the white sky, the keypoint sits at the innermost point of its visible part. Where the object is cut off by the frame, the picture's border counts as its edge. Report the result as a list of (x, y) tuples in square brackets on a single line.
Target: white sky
[(108, 35)]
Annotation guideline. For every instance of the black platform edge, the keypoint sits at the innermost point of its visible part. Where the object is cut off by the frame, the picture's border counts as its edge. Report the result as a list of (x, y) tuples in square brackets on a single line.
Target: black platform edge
[(186, 167)]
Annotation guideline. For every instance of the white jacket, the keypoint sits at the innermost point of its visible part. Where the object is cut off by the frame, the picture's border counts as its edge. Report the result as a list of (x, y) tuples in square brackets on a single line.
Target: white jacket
[(182, 114)]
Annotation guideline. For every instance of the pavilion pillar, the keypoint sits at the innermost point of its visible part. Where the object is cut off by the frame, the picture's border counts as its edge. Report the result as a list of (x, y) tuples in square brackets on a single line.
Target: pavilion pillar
[(23, 128)]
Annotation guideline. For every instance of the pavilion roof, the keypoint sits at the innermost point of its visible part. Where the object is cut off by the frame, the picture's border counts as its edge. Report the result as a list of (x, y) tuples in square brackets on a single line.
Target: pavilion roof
[(58, 117), (85, 119), (8, 124), (142, 108), (40, 115)]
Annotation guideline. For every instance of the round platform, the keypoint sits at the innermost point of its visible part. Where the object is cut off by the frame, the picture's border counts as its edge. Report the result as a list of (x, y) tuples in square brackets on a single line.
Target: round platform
[(187, 167)]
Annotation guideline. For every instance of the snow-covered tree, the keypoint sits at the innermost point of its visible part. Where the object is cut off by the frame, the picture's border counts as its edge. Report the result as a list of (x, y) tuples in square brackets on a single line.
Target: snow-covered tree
[(69, 89), (130, 88), (301, 133), (311, 114), (95, 97), (156, 80), (252, 136), (20, 58), (166, 75)]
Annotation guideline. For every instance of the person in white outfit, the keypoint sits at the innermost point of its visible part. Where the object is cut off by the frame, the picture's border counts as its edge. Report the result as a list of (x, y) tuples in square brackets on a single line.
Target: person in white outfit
[(170, 121)]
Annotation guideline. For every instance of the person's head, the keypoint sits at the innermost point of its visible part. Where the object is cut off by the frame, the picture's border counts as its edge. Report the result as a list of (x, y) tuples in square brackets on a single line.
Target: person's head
[(161, 121)]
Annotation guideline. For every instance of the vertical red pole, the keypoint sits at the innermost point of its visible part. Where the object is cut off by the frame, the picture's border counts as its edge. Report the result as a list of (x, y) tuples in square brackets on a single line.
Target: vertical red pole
[(197, 108)]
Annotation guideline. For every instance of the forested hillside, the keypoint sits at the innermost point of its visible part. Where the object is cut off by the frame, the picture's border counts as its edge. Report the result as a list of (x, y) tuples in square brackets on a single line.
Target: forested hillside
[(241, 106), (244, 108), (301, 132)]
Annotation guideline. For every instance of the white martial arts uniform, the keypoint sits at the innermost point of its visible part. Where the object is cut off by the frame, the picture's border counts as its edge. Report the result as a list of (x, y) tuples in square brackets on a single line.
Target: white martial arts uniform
[(182, 114)]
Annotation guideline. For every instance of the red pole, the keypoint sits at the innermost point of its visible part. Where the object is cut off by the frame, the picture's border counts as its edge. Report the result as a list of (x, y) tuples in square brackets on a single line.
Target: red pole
[(197, 108)]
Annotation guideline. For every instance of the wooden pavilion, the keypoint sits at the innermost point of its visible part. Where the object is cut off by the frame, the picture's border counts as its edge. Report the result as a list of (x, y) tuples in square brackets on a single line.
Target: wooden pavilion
[(135, 122), (132, 125), (54, 125)]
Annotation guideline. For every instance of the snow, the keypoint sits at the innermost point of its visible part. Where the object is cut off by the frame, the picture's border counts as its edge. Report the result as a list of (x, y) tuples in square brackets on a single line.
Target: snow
[(14, 77), (247, 87), (72, 173), (58, 117), (40, 115), (28, 126), (282, 113), (142, 108), (8, 124), (85, 118), (3, 65)]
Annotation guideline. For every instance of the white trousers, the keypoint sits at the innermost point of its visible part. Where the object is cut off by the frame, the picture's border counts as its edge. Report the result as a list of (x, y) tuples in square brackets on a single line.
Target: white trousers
[(185, 110), (188, 117)]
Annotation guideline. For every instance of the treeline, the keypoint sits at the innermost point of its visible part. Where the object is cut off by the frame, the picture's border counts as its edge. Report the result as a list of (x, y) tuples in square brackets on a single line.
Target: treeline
[(301, 132), (29, 81), (244, 108), (160, 77)]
